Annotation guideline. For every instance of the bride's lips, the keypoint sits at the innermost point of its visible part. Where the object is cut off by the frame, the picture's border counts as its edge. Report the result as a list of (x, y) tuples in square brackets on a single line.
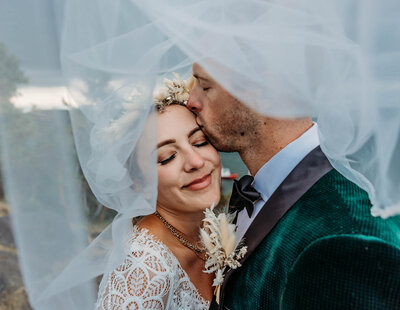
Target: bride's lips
[(200, 183)]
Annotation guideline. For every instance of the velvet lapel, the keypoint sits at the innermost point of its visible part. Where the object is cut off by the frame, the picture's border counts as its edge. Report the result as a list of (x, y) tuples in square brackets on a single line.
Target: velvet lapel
[(314, 166)]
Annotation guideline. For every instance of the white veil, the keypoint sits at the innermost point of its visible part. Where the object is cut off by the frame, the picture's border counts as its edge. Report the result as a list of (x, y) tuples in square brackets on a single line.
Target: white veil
[(336, 60)]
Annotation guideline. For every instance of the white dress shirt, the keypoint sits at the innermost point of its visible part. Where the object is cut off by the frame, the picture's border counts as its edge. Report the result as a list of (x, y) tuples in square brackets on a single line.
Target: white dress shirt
[(275, 171)]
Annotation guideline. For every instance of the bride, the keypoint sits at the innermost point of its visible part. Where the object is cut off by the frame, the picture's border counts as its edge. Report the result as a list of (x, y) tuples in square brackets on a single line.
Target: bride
[(164, 259)]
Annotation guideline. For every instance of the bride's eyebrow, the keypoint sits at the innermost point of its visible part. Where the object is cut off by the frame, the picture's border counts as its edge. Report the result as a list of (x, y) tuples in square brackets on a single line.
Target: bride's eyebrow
[(165, 142)]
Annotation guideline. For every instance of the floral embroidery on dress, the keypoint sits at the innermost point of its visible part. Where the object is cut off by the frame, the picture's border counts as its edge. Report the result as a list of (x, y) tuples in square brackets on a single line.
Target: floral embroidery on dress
[(149, 278)]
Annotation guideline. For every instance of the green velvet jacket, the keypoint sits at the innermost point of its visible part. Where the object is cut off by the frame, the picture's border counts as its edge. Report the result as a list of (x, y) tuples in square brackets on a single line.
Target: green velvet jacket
[(325, 252)]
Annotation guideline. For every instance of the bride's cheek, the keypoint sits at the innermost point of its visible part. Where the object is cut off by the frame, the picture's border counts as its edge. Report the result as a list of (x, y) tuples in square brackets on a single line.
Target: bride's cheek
[(164, 176), (213, 153), (216, 160)]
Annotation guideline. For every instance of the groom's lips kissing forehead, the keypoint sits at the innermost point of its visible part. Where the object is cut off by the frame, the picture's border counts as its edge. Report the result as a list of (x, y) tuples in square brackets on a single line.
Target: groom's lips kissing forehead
[(200, 183)]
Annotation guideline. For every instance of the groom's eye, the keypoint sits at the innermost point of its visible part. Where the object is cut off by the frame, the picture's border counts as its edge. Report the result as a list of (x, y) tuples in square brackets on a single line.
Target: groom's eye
[(206, 88)]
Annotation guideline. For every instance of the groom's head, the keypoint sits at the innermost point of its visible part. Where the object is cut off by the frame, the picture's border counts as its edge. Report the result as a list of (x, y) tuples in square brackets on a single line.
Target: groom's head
[(226, 121), (231, 126)]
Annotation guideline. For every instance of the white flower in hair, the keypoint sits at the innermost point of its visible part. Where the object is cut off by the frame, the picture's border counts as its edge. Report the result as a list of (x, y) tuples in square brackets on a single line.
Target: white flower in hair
[(175, 92)]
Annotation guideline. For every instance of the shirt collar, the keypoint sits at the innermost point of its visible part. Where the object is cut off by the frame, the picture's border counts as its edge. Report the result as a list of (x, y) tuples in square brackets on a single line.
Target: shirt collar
[(273, 172)]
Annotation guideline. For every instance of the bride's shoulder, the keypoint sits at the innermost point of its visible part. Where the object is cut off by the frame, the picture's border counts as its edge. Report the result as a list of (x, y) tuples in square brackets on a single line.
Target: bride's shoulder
[(147, 274), (142, 244)]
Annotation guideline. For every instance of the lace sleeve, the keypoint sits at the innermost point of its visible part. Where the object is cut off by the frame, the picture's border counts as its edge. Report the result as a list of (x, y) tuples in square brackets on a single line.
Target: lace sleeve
[(143, 281)]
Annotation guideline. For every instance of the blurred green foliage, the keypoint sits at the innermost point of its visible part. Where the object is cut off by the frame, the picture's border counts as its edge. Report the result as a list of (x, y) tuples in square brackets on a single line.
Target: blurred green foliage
[(11, 76)]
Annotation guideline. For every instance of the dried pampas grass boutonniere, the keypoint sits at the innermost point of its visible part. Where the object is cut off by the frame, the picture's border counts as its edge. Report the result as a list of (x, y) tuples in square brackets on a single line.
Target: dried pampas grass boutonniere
[(219, 239)]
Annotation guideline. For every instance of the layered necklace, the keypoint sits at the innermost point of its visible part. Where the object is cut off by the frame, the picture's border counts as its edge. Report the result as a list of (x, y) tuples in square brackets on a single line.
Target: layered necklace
[(199, 251)]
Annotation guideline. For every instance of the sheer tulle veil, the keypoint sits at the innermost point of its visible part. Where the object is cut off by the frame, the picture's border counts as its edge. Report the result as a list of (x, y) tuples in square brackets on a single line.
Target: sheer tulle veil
[(335, 60)]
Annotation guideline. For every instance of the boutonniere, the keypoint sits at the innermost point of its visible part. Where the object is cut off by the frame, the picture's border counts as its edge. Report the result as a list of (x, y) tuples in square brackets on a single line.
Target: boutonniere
[(219, 239)]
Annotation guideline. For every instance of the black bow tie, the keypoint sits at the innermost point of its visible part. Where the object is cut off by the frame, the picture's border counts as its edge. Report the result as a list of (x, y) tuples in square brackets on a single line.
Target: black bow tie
[(243, 195)]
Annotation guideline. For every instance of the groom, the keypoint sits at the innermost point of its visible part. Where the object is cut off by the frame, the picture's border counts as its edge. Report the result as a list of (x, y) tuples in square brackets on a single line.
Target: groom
[(312, 243)]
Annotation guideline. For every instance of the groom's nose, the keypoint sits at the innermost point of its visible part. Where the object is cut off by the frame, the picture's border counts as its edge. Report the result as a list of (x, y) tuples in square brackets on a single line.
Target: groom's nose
[(194, 103)]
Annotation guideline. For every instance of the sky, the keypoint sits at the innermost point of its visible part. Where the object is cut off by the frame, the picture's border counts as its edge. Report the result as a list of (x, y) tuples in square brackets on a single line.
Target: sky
[(40, 97)]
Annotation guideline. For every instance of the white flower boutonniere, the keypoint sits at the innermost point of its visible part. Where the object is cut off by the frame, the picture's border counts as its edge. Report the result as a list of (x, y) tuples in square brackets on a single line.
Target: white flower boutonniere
[(219, 239)]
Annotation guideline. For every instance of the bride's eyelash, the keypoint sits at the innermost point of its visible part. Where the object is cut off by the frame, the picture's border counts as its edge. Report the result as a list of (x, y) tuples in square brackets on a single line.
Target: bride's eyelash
[(201, 144), (166, 161)]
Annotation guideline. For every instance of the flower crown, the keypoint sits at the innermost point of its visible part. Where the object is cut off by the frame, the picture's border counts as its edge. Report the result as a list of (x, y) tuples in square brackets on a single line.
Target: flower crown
[(176, 92)]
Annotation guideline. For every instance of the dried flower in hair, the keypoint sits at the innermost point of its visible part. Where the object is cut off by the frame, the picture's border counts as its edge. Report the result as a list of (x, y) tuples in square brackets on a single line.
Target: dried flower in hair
[(175, 92)]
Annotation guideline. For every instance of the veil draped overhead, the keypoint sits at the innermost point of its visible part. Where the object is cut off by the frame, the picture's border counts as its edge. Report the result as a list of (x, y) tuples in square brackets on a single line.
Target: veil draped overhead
[(337, 61)]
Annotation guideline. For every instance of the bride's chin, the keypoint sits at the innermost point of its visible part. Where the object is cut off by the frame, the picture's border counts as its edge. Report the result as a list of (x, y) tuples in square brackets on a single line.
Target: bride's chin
[(202, 201), (212, 201)]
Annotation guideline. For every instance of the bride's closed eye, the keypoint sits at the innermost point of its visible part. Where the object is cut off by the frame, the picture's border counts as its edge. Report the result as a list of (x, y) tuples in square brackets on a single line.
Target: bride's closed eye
[(170, 158), (201, 144), (198, 139), (167, 160)]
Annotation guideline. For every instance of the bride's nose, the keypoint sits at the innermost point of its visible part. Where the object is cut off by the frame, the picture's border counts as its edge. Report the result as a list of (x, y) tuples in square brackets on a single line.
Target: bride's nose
[(193, 161)]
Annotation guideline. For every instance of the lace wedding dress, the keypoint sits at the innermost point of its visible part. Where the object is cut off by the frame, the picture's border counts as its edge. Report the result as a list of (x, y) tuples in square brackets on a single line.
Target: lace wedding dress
[(149, 278)]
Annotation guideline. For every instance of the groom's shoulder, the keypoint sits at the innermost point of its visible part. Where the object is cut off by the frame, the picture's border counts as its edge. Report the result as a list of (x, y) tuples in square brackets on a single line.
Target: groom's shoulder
[(341, 206), (335, 190), (335, 182)]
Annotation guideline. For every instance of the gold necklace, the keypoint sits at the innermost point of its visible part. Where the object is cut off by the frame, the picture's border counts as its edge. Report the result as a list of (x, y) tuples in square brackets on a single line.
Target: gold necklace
[(175, 232)]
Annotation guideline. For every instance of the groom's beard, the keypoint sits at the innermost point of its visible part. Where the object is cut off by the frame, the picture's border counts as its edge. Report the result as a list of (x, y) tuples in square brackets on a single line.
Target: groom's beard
[(233, 135), (224, 140)]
